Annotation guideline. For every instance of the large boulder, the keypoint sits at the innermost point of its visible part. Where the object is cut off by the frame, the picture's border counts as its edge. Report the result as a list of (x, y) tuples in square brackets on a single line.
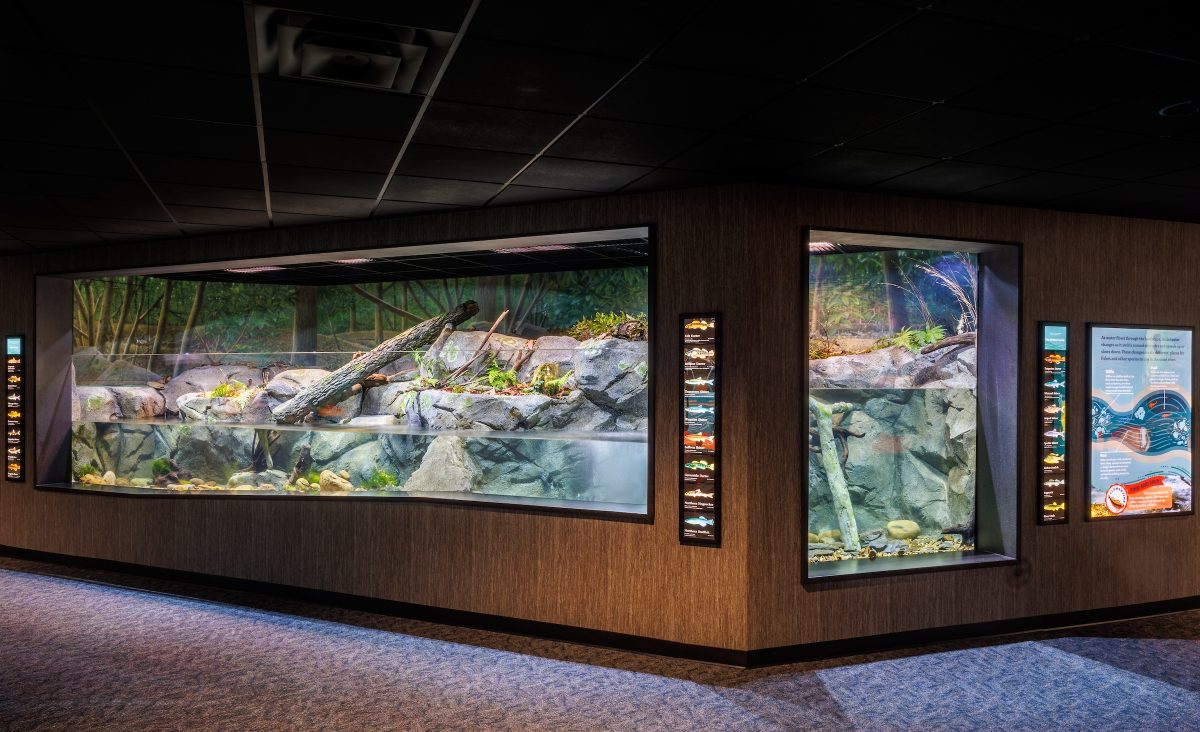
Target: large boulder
[(557, 350), (446, 467), (207, 378), (97, 404), (614, 373), (445, 410), (287, 384), (545, 468), (573, 413), (125, 373), (139, 402), (126, 449), (461, 345), (896, 368), (212, 452), (389, 399), (250, 406)]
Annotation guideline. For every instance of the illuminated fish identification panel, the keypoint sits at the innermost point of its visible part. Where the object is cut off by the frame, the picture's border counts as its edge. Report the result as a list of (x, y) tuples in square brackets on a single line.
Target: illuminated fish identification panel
[(700, 482), (1141, 421), (1052, 436), (14, 407)]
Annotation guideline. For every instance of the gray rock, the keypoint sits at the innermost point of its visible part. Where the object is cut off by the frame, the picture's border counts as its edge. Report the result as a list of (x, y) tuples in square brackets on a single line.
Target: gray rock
[(213, 453), (83, 447), (462, 344), (820, 552), (89, 364), (558, 350), (275, 477), (895, 546), (139, 402), (390, 399), (549, 468), (97, 404), (574, 413), (125, 373), (207, 378), (128, 450), (287, 384), (445, 467), (613, 373), (444, 410), (329, 445), (250, 407)]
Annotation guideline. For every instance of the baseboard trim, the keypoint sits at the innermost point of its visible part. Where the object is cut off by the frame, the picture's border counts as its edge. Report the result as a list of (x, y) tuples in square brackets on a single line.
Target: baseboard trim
[(623, 641)]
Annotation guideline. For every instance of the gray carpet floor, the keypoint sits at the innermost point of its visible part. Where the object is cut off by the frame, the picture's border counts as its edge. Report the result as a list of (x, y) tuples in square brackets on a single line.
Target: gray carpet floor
[(86, 650)]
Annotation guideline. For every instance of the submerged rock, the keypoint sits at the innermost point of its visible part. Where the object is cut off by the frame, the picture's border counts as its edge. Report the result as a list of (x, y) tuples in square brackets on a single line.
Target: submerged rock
[(249, 479), (445, 467), (903, 529), (331, 482)]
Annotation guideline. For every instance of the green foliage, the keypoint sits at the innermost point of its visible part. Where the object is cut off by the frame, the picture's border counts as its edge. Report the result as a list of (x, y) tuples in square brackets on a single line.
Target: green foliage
[(497, 377), (915, 340), (161, 466), (313, 477), (89, 469), (547, 381), (629, 326), (379, 480), (229, 389), (95, 402)]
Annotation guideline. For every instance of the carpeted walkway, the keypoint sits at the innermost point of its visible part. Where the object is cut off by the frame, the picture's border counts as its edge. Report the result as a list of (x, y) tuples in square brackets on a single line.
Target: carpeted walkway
[(89, 650)]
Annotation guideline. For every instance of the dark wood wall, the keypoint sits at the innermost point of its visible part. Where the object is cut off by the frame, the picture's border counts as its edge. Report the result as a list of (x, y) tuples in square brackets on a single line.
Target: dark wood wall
[(636, 578)]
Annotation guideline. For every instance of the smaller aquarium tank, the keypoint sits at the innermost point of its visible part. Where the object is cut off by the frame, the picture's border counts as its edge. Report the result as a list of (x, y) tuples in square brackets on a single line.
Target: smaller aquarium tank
[(893, 404), (513, 371)]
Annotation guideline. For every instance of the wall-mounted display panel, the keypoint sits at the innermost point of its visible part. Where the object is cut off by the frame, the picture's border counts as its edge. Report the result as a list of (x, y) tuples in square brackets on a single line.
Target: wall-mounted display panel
[(14, 408), (904, 333), (511, 371), (1140, 462), (1053, 365), (700, 461)]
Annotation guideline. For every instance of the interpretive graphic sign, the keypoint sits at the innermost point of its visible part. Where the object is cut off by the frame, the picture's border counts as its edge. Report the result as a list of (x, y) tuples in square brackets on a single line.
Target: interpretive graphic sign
[(14, 408), (700, 481), (1141, 421), (1052, 432)]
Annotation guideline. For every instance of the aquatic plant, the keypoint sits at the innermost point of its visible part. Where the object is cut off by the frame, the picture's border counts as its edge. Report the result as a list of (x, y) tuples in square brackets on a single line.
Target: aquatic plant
[(915, 340), (89, 469), (229, 389), (622, 325), (161, 466), (378, 480), (497, 377)]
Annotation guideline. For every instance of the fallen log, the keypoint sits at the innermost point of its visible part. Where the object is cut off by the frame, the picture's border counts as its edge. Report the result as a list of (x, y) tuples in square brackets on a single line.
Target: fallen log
[(341, 384), (954, 340)]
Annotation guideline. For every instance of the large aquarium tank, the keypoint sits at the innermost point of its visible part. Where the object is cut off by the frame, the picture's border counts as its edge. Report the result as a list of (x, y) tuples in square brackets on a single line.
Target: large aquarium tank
[(894, 423), (511, 371)]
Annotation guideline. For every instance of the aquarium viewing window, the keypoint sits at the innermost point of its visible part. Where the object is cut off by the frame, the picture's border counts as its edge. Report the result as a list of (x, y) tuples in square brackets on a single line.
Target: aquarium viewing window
[(912, 403), (512, 371)]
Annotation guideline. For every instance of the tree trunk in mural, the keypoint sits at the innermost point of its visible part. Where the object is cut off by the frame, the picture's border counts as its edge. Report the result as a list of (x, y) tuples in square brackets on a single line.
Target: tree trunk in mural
[(893, 283), (304, 326), (344, 382), (160, 326), (833, 469), (189, 327)]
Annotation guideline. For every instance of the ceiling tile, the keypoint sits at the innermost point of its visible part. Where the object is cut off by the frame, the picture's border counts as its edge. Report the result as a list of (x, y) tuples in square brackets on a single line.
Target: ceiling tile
[(322, 108), (209, 196), (199, 171), (1052, 146), (1067, 19), (742, 154), (580, 175), (60, 159), (302, 203), (845, 166), (934, 57), (950, 178), (445, 15), (13, 246), (132, 226), (699, 99), (613, 141), (80, 186), (665, 178), (501, 74), (1124, 194), (488, 128), (819, 114), (1188, 177), (1038, 188), (436, 190), (329, 151), (36, 78), (199, 229), (787, 40), (53, 125), (1076, 80), (283, 218), (64, 236), (1153, 158), (405, 208), (942, 131), (515, 194), (187, 33), (132, 205), (15, 30), (1169, 29), (220, 216), (325, 182), (171, 136), (122, 88), (1140, 114), (623, 28), (435, 161), (37, 220)]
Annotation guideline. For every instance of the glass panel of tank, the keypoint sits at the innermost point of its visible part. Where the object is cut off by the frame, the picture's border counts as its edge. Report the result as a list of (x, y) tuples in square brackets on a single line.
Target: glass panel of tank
[(892, 465), (517, 375)]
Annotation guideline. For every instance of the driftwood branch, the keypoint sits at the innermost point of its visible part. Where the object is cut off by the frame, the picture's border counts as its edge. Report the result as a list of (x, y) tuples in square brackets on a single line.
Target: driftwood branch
[(478, 351), (834, 475), (954, 340), (340, 384)]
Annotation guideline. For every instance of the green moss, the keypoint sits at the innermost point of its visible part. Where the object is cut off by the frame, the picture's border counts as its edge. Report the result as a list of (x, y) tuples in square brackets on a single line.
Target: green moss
[(228, 389), (499, 378), (89, 469), (621, 325), (379, 480), (313, 477), (95, 402), (160, 466)]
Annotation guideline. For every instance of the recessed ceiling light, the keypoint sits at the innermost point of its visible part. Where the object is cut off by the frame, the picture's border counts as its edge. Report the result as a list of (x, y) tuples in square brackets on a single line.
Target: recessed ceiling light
[(541, 248), (1179, 109), (353, 261), (822, 247), (254, 270)]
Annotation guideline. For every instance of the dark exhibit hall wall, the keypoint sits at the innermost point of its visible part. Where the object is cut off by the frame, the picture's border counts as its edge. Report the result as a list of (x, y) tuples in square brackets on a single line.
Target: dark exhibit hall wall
[(636, 578)]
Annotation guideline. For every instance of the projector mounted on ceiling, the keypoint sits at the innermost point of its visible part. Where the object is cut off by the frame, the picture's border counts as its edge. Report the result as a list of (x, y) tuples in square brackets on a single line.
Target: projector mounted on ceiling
[(374, 55)]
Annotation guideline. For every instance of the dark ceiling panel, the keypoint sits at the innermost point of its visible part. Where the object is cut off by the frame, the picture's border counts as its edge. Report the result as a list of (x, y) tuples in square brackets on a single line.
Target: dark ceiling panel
[(130, 206), (631, 143), (171, 136), (580, 175), (1129, 194), (13, 246), (329, 151), (310, 106), (61, 236), (219, 216), (434, 161), (504, 75), (488, 128), (104, 227), (1169, 29), (1140, 114), (79, 186), (622, 28), (1152, 158), (186, 33), (405, 208), (1075, 19), (1188, 177), (15, 30), (35, 78), (446, 15), (664, 178), (743, 154), (819, 114), (950, 178), (942, 131), (38, 220), (672, 96), (64, 126), (121, 88), (846, 166), (530, 194), (1054, 145), (1076, 80), (302, 203), (197, 229), (209, 196), (935, 57), (1038, 188), (199, 171), (436, 190), (723, 38), (39, 158), (325, 182)]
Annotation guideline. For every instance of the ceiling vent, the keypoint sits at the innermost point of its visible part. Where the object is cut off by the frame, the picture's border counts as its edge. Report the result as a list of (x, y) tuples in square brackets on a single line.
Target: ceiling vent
[(341, 51)]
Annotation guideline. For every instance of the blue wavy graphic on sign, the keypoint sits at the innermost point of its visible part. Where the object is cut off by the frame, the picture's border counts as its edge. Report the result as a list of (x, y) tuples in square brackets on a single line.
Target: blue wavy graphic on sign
[(1158, 423)]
